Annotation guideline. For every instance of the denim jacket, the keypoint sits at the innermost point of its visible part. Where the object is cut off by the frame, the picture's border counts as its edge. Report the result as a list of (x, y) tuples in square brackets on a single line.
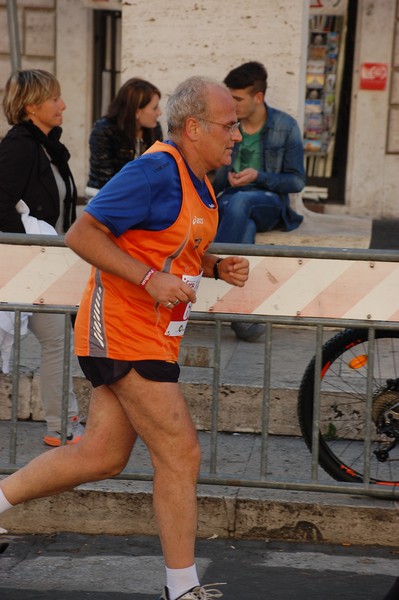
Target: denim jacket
[(283, 163)]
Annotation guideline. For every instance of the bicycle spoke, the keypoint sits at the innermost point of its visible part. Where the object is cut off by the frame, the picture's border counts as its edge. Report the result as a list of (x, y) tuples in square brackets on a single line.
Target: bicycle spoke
[(343, 406)]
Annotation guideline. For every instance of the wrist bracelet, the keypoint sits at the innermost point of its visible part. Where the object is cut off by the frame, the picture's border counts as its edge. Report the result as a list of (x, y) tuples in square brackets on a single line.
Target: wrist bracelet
[(216, 273), (147, 277)]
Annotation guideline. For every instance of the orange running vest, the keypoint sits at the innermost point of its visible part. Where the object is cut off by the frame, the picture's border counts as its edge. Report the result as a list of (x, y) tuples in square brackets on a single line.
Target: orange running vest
[(120, 320)]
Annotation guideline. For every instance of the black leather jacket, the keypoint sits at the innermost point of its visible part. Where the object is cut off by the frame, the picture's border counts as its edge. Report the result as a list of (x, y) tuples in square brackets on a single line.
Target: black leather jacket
[(110, 150)]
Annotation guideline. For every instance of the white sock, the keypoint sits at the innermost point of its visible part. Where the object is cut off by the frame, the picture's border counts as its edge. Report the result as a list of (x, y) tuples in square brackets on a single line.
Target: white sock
[(4, 503), (179, 581)]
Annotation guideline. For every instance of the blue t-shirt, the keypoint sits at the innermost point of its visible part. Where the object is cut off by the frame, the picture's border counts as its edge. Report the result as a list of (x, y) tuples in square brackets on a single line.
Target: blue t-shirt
[(145, 194)]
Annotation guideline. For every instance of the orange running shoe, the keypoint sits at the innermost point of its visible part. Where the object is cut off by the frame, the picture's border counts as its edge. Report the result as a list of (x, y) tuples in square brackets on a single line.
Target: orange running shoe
[(74, 432)]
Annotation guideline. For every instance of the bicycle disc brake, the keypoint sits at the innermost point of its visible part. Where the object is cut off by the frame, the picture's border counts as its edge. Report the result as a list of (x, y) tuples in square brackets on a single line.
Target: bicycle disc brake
[(385, 414)]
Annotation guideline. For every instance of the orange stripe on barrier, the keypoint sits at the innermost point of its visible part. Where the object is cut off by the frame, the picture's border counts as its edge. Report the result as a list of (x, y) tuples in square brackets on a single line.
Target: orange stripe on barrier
[(394, 316), (69, 287), (265, 279), (341, 295), (14, 259)]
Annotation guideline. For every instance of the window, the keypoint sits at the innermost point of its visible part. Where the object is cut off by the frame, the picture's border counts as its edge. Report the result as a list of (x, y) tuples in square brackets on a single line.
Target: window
[(107, 59)]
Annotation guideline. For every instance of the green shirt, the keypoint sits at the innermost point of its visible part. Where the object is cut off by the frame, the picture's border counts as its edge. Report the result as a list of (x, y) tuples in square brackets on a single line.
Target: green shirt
[(249, 153)]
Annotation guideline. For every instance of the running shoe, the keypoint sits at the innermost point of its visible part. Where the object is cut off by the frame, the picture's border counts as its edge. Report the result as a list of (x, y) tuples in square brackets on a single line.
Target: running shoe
[(74, 432), (200, 592)]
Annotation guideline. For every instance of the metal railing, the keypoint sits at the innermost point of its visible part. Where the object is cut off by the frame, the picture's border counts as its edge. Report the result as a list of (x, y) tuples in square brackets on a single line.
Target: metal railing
[(214, 476)]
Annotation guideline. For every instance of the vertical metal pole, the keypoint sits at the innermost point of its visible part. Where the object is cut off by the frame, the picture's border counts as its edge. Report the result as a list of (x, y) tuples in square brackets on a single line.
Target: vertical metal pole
[(13, 34), (266, 402), (65, 377), (215, 398), (369, 405), (15, 387), (316, 403)]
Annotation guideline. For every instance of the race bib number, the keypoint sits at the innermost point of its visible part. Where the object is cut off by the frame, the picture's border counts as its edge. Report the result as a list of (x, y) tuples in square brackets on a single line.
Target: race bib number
[(181, 312)]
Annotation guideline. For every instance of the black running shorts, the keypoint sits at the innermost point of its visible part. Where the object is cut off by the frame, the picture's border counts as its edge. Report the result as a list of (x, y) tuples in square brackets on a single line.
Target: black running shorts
[(105, 371)]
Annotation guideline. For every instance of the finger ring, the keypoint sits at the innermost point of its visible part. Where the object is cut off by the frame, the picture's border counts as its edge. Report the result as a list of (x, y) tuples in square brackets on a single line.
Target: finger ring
[(176, 302), (169, 305)]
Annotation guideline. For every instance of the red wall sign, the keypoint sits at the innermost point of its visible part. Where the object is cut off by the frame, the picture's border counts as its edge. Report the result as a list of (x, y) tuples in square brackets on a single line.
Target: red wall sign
[(373, 76)]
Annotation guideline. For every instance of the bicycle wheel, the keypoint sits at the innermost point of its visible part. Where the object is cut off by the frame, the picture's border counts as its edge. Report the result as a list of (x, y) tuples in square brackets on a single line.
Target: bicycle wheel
[(343, 402)]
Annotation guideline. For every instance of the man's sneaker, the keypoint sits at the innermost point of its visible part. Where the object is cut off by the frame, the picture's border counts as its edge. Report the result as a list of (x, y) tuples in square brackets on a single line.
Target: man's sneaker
[(248, 332), (3, 548), (200, 592), (74, 432)]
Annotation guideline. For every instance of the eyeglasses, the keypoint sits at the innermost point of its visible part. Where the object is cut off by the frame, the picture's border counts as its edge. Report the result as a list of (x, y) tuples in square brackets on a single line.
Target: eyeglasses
[(230, 128)]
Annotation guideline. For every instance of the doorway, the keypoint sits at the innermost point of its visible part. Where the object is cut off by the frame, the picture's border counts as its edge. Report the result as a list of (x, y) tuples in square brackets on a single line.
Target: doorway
[(329, 73)]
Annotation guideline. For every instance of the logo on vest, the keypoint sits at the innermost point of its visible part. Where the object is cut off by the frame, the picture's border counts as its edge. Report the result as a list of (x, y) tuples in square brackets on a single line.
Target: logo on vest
[(198, 221)]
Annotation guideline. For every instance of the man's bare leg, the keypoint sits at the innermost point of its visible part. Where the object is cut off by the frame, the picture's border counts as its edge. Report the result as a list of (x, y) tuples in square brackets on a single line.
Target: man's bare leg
[(102, 452), (159, 414)]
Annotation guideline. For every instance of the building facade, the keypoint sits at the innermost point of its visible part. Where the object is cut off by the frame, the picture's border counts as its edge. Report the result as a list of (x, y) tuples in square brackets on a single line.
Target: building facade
[(95, 45)]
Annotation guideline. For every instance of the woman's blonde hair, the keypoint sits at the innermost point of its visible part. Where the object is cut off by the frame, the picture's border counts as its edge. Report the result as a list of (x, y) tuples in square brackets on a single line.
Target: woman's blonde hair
[(32, 86)]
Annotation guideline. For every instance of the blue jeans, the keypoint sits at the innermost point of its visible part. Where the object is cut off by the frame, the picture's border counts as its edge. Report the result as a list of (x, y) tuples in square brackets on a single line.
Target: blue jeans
[(244, 212)]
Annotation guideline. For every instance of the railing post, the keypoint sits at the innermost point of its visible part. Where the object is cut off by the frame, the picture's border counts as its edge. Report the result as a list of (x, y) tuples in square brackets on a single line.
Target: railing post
[(13, 34)]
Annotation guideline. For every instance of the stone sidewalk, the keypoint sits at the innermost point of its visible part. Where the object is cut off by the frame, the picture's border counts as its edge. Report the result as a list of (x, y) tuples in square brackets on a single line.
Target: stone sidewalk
[(236, 510)]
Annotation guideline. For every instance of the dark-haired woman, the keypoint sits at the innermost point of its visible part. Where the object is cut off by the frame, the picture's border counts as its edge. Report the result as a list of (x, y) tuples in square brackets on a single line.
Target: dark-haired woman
[(125, 132)]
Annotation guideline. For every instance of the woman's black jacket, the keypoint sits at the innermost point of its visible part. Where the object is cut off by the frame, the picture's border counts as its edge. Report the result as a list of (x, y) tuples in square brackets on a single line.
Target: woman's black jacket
[(26, 173)]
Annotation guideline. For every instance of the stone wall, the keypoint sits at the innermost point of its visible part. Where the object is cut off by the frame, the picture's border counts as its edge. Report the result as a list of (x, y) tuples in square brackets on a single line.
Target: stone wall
[(168, 42), (74, 70), (56, 36), (37, 33), (372, 181)]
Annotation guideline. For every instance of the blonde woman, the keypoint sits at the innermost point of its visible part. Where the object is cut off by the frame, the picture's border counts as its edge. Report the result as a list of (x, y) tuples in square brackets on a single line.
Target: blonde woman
[(34, 168)]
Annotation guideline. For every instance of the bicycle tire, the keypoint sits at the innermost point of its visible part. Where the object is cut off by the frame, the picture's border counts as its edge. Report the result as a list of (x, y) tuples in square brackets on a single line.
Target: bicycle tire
[(342, 404)]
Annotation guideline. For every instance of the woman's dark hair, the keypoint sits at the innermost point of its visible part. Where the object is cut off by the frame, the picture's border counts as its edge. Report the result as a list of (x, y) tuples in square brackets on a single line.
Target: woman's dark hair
[(134, 94)]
